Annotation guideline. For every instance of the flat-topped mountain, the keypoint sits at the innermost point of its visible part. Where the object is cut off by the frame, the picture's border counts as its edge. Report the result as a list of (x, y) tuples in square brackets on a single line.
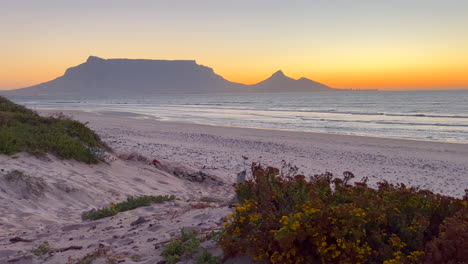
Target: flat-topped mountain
[(103, 77)]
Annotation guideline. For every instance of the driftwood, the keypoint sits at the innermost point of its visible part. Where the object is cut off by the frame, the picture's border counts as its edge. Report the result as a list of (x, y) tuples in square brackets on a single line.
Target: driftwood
[(66, 249), (19, 239)]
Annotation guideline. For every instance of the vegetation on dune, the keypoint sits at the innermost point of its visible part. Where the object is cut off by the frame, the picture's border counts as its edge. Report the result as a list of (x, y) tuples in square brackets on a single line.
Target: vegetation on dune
[(187, 246), (15, 175), (130, 204), (101, 253), (22, 129), (290, 219), (33, 185), (42, 249)]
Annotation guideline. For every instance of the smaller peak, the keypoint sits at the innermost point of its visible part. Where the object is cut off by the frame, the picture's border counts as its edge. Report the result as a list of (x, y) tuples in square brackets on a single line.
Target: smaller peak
[(94, 59), (278, 73)]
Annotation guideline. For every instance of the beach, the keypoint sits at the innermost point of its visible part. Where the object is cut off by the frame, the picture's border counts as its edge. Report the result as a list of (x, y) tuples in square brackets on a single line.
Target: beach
[(64, 189), (437, 166)]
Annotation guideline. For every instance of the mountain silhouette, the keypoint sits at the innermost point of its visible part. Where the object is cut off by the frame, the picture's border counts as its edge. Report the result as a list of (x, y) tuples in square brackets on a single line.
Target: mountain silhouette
[(103, 77), (278, 82)]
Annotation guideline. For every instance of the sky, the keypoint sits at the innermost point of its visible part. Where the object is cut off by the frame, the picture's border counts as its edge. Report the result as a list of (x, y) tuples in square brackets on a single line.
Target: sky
[(361, 44)]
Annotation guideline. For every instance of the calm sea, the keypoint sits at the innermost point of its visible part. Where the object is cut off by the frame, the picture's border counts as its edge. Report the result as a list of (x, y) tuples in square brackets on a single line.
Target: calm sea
[(426, 115)]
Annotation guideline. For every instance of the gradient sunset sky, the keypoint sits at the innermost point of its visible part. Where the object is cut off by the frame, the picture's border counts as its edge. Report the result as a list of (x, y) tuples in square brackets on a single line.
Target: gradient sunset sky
[(397, 44)]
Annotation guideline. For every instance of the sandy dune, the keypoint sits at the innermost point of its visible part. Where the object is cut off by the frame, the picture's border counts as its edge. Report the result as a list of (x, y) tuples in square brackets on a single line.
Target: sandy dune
[(47, 202)]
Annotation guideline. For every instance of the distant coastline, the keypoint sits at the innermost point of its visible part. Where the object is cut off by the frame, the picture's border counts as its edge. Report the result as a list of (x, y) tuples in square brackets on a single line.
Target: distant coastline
[(363, 90)]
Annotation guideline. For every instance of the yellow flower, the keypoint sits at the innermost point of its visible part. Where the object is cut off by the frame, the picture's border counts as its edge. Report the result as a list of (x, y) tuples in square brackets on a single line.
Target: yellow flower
[(254, 217), (284, 220), (295, 225), (310, 210), (240, 209), (236, 231), (415, 256), (298, 215)]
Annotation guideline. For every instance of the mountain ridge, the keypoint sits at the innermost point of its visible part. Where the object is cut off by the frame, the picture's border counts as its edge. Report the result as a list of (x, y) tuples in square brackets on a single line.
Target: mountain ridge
[(98, 76)]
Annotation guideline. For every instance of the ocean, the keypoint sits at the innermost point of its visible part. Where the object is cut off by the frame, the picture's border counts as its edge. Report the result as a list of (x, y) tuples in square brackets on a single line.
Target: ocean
[(424, 115)]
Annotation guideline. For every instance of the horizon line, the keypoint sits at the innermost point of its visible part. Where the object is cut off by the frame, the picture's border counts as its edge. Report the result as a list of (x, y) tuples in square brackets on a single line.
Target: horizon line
[(384, 88)]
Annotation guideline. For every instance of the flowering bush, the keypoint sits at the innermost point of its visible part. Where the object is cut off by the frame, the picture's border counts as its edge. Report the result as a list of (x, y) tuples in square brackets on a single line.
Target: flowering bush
[(289, 219)]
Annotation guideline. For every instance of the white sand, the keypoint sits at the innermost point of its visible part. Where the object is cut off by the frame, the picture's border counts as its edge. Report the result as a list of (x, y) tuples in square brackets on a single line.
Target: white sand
[(62, 190), (52, 212)]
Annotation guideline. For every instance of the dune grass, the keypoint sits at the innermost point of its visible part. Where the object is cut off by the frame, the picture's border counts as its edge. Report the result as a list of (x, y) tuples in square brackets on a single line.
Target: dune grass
[(130, 204), (23, 130), (187, 246)]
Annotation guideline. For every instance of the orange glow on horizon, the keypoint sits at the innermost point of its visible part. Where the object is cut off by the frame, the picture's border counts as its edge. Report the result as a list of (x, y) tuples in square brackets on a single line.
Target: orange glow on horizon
[(437, 75), (442, 79)]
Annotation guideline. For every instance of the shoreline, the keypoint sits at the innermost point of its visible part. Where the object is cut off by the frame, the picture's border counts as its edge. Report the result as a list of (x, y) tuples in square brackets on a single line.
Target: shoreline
[(132, 115), (439, 166)]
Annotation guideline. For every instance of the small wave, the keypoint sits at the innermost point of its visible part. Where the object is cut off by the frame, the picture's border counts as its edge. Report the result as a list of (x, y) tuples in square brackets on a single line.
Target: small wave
[(64, 102), (429, 115), (384, 122), (331, 111)]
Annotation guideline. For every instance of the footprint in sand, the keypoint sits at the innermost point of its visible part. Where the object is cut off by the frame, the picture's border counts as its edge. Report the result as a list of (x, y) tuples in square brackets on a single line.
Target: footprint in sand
[(139, 180)]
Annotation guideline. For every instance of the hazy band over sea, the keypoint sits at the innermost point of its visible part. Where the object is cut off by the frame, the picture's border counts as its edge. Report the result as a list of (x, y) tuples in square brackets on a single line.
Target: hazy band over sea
[(424, 115)]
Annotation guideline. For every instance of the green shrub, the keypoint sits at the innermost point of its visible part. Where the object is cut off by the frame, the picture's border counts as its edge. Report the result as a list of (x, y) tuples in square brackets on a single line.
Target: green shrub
[(23, 130), (183, 247), (323, 220), (41, 249), (7, 106), (130, 204), (207, 258)]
